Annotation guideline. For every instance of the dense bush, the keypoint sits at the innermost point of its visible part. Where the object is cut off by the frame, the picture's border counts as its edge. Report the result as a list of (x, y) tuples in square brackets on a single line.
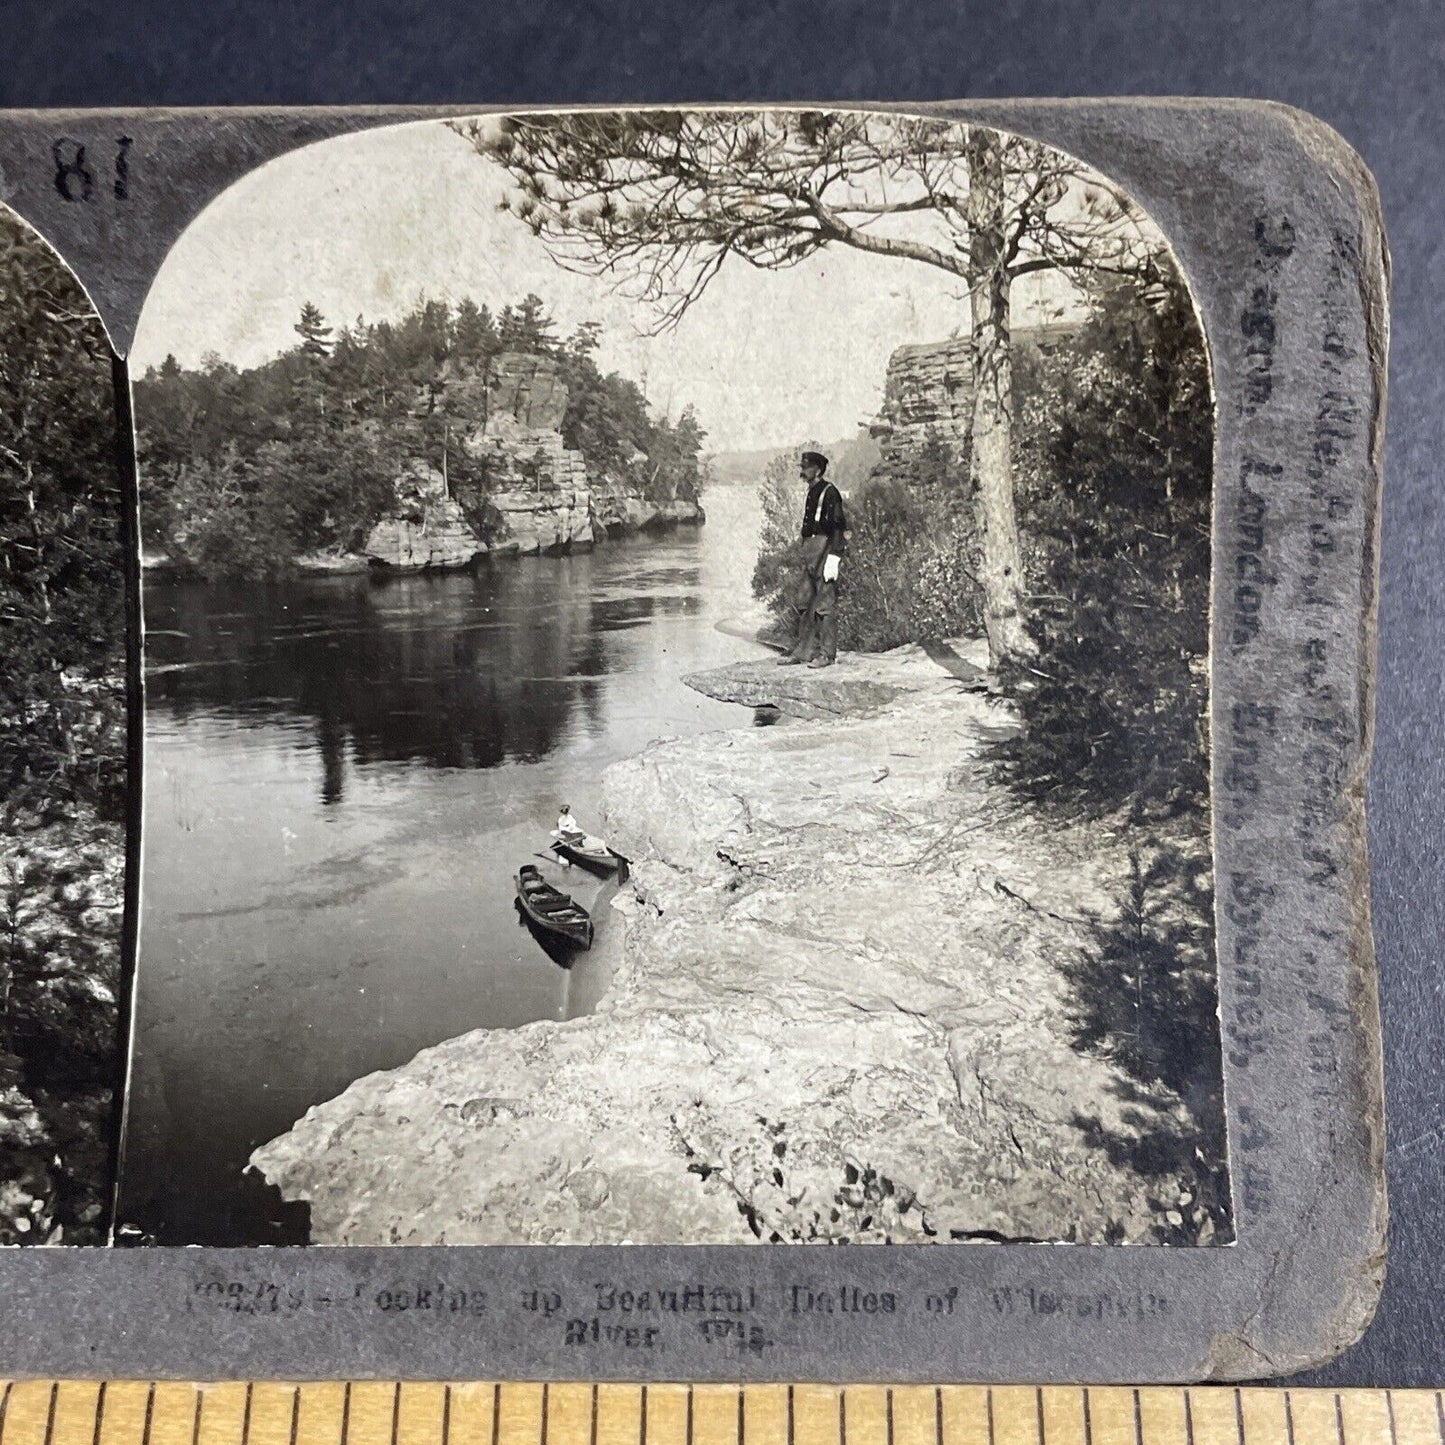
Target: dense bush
[(60, 508), (243, 471), (62, 750), (1115, 472)]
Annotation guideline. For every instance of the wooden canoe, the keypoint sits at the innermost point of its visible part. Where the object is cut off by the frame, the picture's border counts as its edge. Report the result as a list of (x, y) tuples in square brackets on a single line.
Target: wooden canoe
[(550, 910), (593, 855)]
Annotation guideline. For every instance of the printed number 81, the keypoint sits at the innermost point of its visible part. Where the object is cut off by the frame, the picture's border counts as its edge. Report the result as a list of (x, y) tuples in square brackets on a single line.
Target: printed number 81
[(74, 178)]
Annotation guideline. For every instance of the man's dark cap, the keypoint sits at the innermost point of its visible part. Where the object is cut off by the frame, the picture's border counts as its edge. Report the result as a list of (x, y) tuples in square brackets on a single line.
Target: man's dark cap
[(817, 459)]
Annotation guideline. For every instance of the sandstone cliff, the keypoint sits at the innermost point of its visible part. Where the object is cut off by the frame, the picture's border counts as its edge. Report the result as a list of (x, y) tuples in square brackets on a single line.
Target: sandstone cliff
[(928, 392), (838, 1014), (539, 495)]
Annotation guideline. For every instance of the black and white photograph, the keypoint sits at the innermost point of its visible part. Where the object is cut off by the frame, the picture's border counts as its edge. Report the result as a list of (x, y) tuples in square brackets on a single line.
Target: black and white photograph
[(676, 706)]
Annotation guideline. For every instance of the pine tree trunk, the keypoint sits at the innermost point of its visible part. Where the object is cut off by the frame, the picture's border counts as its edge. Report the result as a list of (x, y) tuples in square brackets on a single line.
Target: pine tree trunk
[(991, 461)]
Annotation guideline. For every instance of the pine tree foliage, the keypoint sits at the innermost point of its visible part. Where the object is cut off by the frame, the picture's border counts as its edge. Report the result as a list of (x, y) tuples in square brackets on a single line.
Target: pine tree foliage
[(315, 334), (1116, 498)]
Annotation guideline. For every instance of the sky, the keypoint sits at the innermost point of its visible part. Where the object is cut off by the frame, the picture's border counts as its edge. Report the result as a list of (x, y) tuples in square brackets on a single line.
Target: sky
[(367, 224)]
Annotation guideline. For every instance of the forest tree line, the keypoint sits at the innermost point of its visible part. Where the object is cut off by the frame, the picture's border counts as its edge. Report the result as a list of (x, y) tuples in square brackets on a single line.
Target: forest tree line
[(244, 470)]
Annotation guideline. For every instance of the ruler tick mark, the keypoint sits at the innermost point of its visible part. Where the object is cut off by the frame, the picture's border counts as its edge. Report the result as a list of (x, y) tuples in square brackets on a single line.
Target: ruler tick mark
[(50, 1412), (195, 1417), (888, 1405), (1288, 1419), (145, 1433), (295, 1414), (742, 1427), (989, 1399), (497, 1413), (542, 1423), (446, 1414), (1188, 1419), (1089, 1421), (100, 1411), (1139, 1421), (346, 1414), (396, 1413), (938, 1416), (1038, 1412), (245, 1414), (1440, 1417), (1238, 1415), (1339, 1419), (1390, 1414)]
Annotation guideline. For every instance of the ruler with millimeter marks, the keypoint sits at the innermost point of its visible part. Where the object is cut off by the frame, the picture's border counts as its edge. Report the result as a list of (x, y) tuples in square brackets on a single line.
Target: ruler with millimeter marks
[(384, 1412)]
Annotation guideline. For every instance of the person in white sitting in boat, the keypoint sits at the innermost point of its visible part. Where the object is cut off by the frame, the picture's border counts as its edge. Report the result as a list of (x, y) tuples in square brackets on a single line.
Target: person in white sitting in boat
[(570, 832), (816, 599)]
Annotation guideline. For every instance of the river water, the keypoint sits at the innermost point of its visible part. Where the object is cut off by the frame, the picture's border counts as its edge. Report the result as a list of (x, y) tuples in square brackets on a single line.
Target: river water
[(341, 778)]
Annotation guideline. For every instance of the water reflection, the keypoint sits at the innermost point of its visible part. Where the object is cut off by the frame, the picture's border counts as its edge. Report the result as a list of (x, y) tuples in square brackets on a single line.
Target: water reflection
[(342, 779), (454, 671)]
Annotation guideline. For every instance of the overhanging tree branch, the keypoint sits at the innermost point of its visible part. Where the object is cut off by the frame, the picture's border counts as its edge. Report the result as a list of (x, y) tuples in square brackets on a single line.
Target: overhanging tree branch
[(655, 202)]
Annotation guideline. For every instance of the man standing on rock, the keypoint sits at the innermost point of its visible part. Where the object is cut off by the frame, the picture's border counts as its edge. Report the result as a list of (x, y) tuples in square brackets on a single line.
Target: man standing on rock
[(824, 529)]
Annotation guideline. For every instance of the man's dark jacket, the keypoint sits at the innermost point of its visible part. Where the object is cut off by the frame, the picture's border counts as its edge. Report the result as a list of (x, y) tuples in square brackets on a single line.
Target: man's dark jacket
[(823, 516)]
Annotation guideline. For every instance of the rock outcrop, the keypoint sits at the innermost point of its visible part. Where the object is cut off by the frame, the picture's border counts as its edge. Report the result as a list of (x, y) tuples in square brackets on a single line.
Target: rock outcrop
[(427, 529), (798, 692), (65, 882), (928, 393), (525, 396), (839, 1012), (540, 497)]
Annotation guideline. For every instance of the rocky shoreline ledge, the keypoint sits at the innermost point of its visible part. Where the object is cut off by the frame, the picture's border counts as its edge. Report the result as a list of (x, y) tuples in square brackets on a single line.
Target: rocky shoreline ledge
[(441, 540), (840, 1012)]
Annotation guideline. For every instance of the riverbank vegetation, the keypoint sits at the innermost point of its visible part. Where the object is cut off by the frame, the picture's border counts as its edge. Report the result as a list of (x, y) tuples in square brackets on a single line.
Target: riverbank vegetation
[(244, 470), (1116, 501), (62, 751)]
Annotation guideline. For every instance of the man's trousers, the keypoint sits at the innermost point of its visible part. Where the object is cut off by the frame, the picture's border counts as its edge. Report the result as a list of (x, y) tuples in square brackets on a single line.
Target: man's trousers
[(817, 605)]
